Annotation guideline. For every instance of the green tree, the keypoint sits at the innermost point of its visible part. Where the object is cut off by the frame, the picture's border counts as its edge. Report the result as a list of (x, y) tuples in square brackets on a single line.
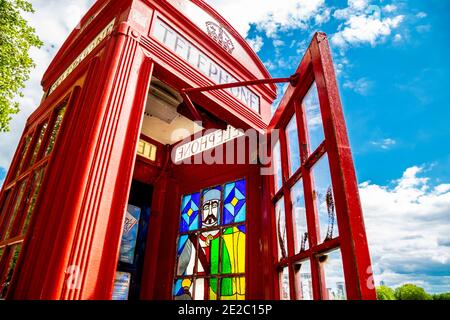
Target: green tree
[(16, 40), (385, 293), (411, 292), (441, 296)]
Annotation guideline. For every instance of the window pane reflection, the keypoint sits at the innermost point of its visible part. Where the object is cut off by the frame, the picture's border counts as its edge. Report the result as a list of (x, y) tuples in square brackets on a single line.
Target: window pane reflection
[(284, 285), (293, 144), (323, 194), (281, 229), (276, 156), (299, 217), (303, 280), (311, 106), (334, 275)]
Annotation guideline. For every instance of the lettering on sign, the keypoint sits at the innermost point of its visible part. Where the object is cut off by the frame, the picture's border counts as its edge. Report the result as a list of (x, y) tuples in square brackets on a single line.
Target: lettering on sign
[(98, 39), (147, 150), (206, 142), (201, 62)]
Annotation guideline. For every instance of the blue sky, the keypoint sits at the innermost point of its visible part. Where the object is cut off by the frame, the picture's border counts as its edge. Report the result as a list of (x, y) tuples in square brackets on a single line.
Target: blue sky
[(391, 58)]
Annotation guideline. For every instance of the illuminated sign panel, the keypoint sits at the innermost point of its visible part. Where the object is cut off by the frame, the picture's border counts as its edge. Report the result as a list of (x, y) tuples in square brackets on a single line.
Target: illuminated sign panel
[(146, 150), (201, 62)]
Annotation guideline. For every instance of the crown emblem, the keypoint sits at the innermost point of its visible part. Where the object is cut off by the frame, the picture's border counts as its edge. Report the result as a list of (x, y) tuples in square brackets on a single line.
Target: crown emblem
[(219, 35)]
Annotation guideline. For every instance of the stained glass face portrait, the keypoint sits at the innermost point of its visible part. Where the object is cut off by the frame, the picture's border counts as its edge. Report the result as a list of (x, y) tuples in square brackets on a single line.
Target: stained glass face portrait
[(212, 243)]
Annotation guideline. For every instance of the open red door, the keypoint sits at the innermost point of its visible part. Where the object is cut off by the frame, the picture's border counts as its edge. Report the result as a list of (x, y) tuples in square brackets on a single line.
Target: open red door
[(321, 247)]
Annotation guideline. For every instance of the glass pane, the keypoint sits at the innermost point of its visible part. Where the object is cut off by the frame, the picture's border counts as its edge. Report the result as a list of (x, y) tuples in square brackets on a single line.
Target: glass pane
[(233, 250), (299, 217), (5, 204), (293, 144), (208, 256), (186, 255), (234, 207), (276, 158), (36, 186), (10, 270), (37, 146), (190, 212), (303, 281), (334, 275), (232, 288), (311, 106), (15, 209), (281, 229), (55, 131), (182, 289), (211, 199), (284, 285), (23, 154), (1, 253), (201, 289), (323, 194)]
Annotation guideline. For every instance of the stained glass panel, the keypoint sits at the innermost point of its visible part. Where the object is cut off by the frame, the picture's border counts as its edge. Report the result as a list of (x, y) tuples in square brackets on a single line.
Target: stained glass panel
[(186, 254), (211, 207), (233, 250), (190, 212), (182, 289), (234, 209), (211, 244), (208, 256), (232, 288)]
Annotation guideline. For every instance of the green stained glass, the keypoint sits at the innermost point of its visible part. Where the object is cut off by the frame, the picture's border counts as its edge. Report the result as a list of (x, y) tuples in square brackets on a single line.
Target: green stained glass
[(233, 250), (232, 288)]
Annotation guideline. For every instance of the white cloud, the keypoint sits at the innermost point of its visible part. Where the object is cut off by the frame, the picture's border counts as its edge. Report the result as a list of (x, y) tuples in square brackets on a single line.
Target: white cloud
[(361, 86), (256, 43), (384, 144), (271, 17), (407, 226), (421, 15), (53, 21), (364, 23)]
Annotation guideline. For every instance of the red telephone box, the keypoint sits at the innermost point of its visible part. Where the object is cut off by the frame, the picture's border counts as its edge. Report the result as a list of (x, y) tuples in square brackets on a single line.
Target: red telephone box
[(131, 180)]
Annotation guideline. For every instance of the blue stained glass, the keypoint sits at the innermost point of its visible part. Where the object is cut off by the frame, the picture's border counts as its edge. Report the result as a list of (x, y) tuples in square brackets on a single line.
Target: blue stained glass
[(234, 209), (190, 212)]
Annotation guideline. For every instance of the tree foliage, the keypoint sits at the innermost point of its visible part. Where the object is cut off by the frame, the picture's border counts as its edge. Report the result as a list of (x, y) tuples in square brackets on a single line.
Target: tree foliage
[(385, 293), (411, 292), (16, 40)]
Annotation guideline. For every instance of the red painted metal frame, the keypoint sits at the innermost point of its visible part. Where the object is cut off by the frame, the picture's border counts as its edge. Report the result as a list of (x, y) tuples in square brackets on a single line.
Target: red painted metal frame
[(317, 66)]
